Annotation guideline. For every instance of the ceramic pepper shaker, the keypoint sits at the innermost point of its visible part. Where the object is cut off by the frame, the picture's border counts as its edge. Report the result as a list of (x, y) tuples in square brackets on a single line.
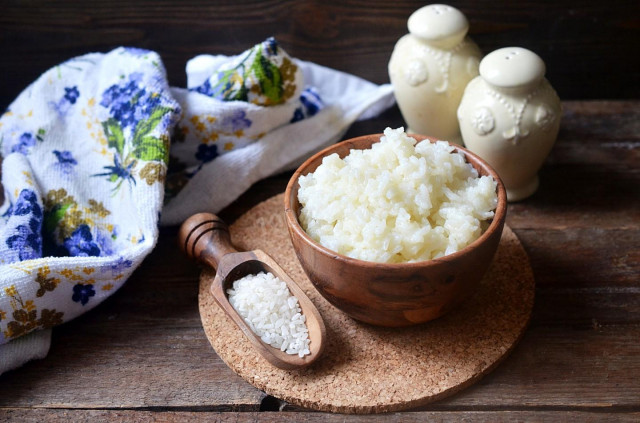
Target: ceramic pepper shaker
[(429, 69), (510, 116)]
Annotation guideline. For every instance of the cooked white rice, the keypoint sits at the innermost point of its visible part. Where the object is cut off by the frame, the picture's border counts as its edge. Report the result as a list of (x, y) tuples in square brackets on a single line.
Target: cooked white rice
[(397, 201), (265, 303)]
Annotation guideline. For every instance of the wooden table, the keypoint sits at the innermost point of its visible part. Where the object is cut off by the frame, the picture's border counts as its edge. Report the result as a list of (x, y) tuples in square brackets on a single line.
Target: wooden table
[(143, 355)]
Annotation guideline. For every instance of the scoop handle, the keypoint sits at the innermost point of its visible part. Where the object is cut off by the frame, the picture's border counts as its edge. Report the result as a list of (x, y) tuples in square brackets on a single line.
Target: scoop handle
[(205, 238)]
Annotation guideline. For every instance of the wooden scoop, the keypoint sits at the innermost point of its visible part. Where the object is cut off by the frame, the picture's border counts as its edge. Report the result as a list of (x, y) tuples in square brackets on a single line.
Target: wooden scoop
[(205, 237)]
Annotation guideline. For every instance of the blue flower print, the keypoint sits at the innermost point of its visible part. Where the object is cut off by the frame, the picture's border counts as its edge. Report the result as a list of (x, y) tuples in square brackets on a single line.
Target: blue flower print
[(65, 157), (81, 244), (221, 90), (27, 241), (236, 121), (24, 144), (270, 46), (104, 240), (119, 171), (69, 98), (120, 265), (66, 162), (298, 115), (206, 153), (82, 293), (146, 105), (205, 89), (311, 105), (71, 94), (27, 203), (311, 100), (128, 103)]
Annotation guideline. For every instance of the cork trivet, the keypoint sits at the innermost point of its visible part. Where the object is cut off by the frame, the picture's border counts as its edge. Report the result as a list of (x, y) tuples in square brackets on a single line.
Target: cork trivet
[(368, 369)]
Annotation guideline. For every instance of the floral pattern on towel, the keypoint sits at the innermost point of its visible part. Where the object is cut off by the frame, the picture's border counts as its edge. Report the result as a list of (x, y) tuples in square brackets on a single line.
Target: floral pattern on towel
[(239, 101), (263, 75), (85, 152), (136, 116)]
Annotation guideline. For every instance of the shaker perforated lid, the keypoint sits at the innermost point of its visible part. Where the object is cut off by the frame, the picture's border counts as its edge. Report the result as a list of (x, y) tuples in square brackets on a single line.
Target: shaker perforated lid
[(438, 23), (512, 67)]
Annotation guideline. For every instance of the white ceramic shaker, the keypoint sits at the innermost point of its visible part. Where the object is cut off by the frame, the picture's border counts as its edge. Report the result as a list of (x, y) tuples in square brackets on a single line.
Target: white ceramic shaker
[(510, 116), (429, 69)]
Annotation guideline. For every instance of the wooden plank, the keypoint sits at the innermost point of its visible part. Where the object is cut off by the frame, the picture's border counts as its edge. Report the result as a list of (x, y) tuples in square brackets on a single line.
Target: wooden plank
[(586, 308), (133, 416), (553, 367), (603, 120), (594, 257), (591, 178), (347, 35)]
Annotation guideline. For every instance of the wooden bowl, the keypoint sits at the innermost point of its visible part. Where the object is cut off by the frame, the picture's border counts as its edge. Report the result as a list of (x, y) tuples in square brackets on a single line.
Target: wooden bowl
[(400, 294)]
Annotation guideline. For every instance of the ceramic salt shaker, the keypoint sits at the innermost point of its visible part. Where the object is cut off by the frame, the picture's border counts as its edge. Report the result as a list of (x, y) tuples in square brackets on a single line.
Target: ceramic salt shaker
[(510, 116), (429, 69)]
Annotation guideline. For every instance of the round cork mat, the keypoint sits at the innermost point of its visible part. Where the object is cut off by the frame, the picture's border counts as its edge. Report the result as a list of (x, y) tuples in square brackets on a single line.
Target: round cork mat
[(368, 369)]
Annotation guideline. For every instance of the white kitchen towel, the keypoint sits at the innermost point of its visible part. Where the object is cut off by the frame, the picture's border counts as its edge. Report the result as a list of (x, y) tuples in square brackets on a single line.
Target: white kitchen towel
[(85, 153), (232, 134), (85, 150)]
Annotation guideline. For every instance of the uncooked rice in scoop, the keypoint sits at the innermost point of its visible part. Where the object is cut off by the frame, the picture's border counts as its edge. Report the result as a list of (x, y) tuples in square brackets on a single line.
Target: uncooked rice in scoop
[(265, 303), (397, 201)]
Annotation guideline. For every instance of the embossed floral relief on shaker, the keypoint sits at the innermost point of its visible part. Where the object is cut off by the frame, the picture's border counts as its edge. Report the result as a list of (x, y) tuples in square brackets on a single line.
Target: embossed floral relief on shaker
[(429, 69), (510, 116)]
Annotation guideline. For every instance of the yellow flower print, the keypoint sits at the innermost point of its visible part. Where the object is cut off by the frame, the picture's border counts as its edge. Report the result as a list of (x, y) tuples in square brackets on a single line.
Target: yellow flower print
[(25, 316), (29, 306), (50, 318), (98, 208), (23, 323), (153, 172), (11, 291), (58, 196), (28, 178), (46, 284), (198, 124)]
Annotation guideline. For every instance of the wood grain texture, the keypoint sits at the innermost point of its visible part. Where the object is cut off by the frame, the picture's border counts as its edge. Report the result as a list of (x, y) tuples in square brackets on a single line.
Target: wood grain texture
[(157, 355), (145, 349), (133, 416), (142, 355), (579, 361), (590, 47)]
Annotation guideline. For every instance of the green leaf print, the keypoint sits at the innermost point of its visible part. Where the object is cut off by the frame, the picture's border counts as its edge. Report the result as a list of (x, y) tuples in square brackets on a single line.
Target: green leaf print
[(54, 216), (113, 132), (269, 77), (227, 87), (145, 127), (151, 148)]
